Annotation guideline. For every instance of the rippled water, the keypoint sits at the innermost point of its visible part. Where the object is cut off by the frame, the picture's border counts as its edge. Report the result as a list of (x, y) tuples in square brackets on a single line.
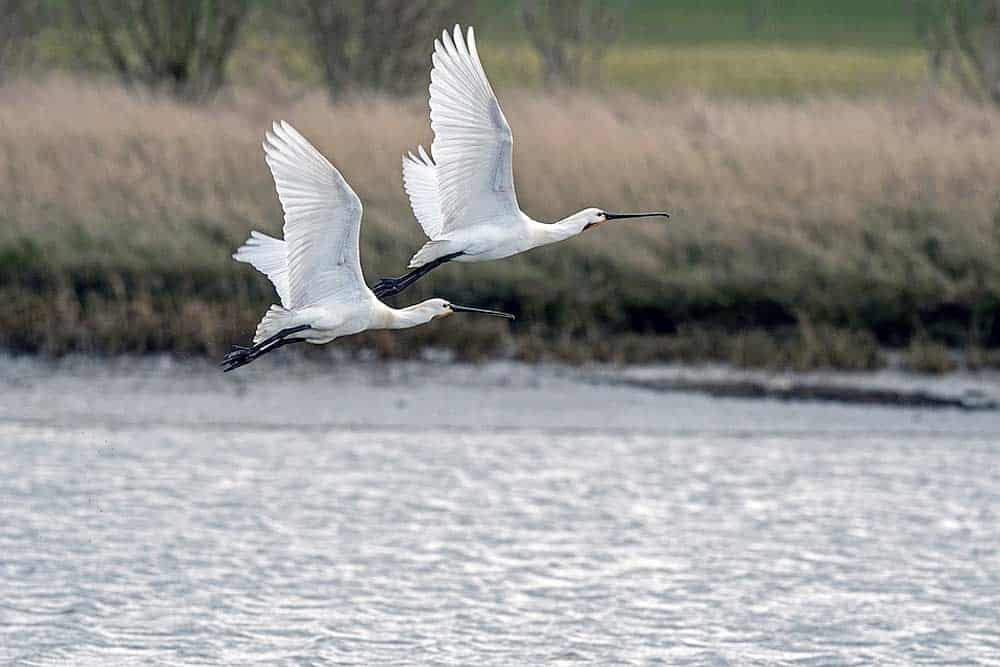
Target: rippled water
[(205, 544)]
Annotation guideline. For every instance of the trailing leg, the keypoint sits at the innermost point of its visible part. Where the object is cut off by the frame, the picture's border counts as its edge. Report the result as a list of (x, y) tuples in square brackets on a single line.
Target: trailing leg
[(392, 286), (241, 355)]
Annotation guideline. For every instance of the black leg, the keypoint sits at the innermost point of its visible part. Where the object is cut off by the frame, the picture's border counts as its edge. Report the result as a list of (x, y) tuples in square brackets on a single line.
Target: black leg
[(392, 286), (243, 361), (242, 352), (284, 333), (242, 355)]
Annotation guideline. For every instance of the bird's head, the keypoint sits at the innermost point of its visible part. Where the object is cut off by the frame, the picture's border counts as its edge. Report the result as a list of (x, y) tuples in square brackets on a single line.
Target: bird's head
[(590, 218), (437, 308)]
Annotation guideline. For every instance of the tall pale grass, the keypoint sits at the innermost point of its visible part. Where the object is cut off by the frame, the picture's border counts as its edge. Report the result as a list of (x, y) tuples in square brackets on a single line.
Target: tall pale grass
[(870, 215)]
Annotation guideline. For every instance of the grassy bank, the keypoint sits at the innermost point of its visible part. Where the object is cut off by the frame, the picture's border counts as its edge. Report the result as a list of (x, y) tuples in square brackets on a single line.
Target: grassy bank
[(858, 23), (805, 233), (740, 69)]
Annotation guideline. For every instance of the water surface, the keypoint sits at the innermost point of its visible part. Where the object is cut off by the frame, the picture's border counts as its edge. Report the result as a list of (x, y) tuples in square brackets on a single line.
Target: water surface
[(152, 516)]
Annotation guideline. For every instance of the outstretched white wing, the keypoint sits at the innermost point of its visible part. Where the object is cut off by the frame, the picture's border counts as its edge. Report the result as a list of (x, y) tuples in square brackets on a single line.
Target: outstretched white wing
[(322, 221), (472, 140), (421, 184)]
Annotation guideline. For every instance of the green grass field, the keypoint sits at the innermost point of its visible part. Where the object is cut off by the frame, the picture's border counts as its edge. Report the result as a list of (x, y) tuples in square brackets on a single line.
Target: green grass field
[(868, 24), (799, 48), (745, 70)]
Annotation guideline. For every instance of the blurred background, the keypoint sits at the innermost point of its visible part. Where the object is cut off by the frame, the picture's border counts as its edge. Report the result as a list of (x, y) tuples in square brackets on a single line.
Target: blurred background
[(833, 170)]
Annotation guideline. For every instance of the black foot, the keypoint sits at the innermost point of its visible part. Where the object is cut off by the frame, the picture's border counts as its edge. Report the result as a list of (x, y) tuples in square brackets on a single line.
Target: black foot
[(237, 351), (388, 287), (239, 356)]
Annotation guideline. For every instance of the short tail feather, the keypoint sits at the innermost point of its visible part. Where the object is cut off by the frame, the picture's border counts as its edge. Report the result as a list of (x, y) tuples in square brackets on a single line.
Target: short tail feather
[(269, 256), (429, 252), (275, 319)]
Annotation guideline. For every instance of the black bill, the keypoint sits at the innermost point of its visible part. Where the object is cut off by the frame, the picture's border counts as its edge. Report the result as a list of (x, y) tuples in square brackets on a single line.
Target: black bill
[(650, 214), (468, 309)]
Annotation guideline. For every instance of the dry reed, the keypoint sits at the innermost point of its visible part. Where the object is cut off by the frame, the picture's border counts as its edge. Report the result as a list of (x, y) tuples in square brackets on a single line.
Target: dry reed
[(873, 218)]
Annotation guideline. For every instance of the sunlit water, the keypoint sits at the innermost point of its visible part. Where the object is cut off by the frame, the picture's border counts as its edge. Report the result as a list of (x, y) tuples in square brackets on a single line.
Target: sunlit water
[(133, 542)]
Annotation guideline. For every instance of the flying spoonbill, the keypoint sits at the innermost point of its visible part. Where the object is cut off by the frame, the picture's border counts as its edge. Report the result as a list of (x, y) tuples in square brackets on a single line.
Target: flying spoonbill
[(316, 269), (463, 193)]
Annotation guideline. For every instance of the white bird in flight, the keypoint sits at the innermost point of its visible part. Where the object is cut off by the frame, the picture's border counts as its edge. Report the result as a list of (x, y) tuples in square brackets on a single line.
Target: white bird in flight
[(463, 196), (316, 269)]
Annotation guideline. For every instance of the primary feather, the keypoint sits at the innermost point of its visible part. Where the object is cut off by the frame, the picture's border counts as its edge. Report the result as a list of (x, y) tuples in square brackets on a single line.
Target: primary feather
[(472, 145), (322, 221), (421, 184)]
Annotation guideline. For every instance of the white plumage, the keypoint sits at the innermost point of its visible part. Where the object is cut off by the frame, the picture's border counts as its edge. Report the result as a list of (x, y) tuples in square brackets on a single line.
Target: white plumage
[(472, 140), (463, 193), (421, 184), (269, 256), (322, 221), (316, 269)]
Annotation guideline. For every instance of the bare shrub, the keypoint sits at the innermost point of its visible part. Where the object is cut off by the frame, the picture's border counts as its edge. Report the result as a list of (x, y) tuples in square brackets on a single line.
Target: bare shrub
[(977, 358), (926, 356), (756, 14), (572, 36), (20, 20), (181, 46), (376, 44), (963, 40)]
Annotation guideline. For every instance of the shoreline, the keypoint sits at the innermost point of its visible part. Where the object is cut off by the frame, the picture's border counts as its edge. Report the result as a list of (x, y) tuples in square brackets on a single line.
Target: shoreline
[(892, 384), (893, 387), (439, 395)]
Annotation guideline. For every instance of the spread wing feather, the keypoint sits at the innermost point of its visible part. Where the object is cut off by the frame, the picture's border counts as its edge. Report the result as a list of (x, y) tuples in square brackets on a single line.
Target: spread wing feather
[(473, 145), (322, 221), (421, 184)]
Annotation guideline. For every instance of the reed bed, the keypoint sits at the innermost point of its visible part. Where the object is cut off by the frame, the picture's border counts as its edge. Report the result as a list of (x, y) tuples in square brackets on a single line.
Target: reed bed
[(805, 233)]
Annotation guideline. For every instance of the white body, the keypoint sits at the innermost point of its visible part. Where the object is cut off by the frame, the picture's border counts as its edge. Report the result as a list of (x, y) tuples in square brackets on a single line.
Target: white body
[(316, 270), (464, 196), (496, 239)]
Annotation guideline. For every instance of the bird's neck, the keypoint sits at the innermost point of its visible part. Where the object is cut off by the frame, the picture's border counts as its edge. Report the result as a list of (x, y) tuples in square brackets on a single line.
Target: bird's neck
[(404, 318), (552, 232)]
